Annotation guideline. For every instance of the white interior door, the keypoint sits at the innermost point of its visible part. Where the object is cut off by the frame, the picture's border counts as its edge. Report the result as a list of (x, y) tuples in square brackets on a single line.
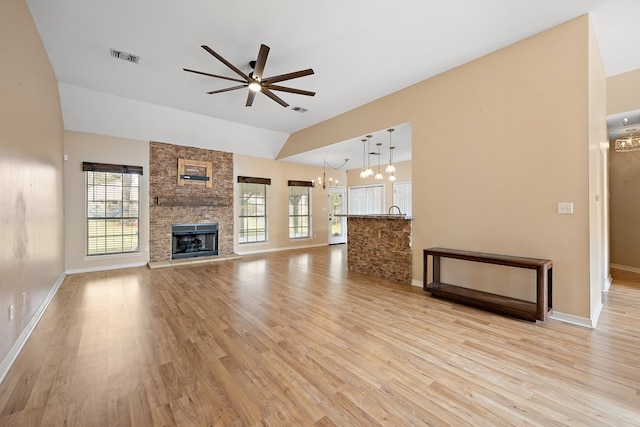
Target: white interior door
[(337, 224), (402, 196)]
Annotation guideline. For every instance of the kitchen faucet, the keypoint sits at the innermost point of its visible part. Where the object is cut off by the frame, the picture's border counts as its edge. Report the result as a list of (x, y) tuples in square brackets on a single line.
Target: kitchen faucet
[(397, 207)]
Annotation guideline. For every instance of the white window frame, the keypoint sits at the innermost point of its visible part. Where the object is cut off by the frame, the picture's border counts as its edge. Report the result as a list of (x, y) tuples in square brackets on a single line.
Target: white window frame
[(260, 214), (112, 217), (305, 217)]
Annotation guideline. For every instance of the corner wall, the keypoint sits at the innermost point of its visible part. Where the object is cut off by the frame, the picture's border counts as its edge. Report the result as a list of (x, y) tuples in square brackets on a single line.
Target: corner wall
[(31, 182), (598, 203), (500, 140), (278, 202)]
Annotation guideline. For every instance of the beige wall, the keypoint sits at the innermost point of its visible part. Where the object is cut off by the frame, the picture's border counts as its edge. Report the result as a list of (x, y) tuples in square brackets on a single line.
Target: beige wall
[(85, 147), (81, 147), (278, 202), (500, 140), (31, 209), (623, 92), (623, 95), (403, 174), (624, 181)]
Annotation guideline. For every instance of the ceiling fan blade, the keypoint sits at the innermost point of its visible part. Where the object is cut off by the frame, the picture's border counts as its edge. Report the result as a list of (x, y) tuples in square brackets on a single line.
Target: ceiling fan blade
[(261, 61), (274, 97), (291, 90), (227, 89), (288, 76), (225, 62), (214, 75), (250, 98)]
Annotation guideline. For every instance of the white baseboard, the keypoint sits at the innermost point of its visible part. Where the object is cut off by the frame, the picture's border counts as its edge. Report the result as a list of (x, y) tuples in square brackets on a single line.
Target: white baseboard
[(417, 283), (625, 268), (596, 315), (288, 248), (607, 284), (26, 332), (104, 268), (577, 320)]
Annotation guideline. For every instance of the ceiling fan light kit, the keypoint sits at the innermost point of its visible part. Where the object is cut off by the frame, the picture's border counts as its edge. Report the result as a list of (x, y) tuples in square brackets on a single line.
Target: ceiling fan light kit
[(254, 80), (255, 86)]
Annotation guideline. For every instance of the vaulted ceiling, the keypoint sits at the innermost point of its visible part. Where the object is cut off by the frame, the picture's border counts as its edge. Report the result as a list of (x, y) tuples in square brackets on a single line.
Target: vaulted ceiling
[(359, 51)]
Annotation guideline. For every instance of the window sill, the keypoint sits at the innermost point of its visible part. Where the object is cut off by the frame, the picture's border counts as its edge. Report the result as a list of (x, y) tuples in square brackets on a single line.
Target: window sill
[(112, 256)]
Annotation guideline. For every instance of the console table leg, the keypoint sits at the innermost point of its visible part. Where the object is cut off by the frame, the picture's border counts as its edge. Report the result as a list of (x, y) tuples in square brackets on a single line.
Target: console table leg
[(541, 293)]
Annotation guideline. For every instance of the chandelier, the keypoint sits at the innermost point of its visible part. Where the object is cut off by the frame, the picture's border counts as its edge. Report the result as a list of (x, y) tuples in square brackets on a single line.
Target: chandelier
[(322, 181), (628, 143)]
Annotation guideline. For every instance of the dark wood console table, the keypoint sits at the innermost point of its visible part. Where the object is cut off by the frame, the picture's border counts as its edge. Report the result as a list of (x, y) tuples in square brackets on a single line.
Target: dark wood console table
[(540, 310)]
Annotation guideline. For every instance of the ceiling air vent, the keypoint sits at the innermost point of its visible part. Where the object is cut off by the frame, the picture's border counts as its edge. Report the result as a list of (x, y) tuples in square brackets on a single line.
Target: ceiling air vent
[(124, 55), (299, 109)]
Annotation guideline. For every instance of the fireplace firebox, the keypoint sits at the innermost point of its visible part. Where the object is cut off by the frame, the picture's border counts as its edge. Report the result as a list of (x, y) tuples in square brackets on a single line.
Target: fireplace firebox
[(193, 240)]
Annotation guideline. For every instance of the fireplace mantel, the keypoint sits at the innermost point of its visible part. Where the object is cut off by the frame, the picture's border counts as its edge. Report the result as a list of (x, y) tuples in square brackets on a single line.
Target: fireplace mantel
[(193, 201)]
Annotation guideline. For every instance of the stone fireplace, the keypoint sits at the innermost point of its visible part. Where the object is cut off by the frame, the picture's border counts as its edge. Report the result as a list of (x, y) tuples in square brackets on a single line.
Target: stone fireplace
[(186, 201)]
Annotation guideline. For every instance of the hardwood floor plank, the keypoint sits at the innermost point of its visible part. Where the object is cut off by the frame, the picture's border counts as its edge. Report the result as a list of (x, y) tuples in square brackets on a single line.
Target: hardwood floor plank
[(294, 338), (119, 411), (161, 415)]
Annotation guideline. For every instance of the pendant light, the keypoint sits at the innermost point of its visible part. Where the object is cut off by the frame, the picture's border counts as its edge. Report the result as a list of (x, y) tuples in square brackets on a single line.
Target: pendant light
[(369, 172), (379, 174), (364, 161), (390, 168)]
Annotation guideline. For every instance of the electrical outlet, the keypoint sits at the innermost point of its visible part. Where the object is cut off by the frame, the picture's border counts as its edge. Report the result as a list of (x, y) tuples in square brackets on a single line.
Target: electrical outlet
[(10, 312), (565, 208), (24, 299)]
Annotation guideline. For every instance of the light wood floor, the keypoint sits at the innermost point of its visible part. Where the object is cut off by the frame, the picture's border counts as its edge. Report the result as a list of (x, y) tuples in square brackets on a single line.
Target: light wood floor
[(294, 339)]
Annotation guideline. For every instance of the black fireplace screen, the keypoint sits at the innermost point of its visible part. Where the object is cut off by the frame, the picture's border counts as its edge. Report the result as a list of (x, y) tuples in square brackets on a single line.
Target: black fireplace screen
[(192, 240)]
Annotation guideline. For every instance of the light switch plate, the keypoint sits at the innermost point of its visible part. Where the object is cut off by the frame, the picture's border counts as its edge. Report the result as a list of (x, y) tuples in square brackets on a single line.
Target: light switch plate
[(565, 208)]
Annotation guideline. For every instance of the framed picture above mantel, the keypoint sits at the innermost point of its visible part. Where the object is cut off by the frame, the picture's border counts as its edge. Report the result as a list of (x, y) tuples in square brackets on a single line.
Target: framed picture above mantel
[(195, 172)]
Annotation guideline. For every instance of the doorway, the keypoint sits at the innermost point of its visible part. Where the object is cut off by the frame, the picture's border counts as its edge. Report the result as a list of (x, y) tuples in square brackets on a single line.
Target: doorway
[(337, 224)]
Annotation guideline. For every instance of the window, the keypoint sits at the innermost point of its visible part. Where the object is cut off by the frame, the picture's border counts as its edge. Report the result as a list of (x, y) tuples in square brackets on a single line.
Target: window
[(113, 206), (366, 200), (252, 219), (299, 212)]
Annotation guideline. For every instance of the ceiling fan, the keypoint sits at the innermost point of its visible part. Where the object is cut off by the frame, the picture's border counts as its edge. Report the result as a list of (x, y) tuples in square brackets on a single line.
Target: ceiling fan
[(254, 80)]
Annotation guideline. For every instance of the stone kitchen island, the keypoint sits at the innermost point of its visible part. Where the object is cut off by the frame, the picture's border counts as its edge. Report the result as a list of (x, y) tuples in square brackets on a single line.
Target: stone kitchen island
[(380, 245)]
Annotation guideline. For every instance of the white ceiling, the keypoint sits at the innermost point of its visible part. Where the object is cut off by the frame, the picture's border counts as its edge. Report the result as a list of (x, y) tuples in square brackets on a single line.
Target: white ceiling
[(360, 51)]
